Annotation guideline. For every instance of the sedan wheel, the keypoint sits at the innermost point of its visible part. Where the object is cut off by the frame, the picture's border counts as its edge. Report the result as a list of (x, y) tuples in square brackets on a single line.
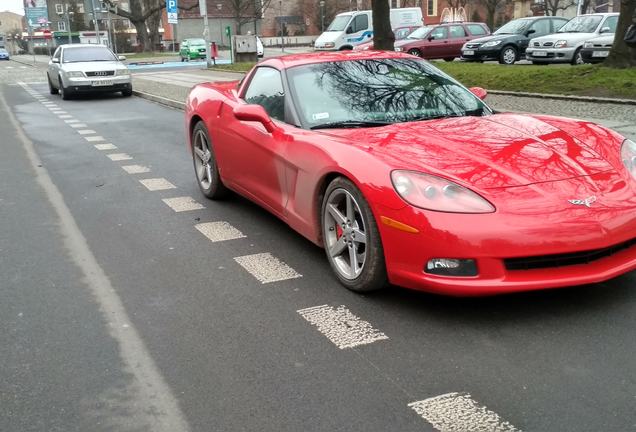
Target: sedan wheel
[(577, 59), (351, 237), (205, 166), (52, 90), (415, 52), (64, 92), (508, 56)]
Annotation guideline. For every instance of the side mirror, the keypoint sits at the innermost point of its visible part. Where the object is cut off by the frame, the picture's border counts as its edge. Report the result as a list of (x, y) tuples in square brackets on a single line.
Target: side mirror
[(605, 30), (529, 32), (479, 92), (430, 38), (349, 30), (55, 60), (121, 58), (254, 113)]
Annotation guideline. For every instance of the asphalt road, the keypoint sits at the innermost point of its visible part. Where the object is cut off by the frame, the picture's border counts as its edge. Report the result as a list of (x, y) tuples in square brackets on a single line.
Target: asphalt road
[(131, 303)]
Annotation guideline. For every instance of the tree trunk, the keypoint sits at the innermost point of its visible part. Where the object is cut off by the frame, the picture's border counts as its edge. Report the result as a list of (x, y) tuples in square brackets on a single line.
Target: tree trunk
[(621, 56), (383, 37)]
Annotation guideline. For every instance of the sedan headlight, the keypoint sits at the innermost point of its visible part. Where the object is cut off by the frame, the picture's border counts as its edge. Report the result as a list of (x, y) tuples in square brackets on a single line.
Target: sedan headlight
[(437, 194), (398, 49), (588, 45), (330, 44), (123, 72), (560, 44), (628, 155), (491, 44), (74, 74)]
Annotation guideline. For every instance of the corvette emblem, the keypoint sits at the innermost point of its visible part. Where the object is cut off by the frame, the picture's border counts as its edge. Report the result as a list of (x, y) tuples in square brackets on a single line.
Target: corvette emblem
[(585, 202)]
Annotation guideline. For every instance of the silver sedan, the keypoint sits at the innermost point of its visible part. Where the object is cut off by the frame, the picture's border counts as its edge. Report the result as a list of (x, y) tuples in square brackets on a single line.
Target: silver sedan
[(85, 68)]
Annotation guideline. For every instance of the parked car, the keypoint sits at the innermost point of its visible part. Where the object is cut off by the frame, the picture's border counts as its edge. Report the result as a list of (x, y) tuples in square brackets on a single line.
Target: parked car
[(192, 49), (597, 49), (508, 44), (4, 54), (404, 176), (441, 40), (399, 32), (565, 45), (87, 68), (260, 52)]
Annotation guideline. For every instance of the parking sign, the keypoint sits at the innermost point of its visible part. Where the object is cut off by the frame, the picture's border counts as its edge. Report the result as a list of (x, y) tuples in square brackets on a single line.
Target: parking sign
[(171, 10)]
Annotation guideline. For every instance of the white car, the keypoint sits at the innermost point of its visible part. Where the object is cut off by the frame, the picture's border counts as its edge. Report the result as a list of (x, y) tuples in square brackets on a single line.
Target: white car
[(565, 45), (87, 68), (259, 48)]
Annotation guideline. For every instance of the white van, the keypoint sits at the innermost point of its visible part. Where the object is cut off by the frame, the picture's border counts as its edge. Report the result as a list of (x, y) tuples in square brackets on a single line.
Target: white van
[(351, 28)]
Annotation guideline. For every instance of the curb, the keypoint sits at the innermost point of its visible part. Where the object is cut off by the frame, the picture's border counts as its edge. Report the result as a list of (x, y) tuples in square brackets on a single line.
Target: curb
[(160, 100), (589, 99)]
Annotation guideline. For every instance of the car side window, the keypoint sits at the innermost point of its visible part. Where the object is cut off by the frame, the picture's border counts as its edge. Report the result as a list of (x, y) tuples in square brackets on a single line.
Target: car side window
[(402, 33), (557, 24), (361, 22), (457, 31), (58, 53), (439, 33), (266, 89), (611, 23), (476, 29), (540, 27)]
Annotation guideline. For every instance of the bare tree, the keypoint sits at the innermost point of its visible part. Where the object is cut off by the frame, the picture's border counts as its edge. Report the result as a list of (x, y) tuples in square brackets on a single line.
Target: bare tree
[(491, 7), (621, 56), (245, 11), (383, 37)]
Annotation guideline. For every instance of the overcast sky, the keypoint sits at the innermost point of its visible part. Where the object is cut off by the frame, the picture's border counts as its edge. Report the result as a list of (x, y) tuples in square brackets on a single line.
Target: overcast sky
[(15, 6)]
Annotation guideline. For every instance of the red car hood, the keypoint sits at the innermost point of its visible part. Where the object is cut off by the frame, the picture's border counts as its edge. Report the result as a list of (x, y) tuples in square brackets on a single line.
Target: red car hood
[(497, 151)]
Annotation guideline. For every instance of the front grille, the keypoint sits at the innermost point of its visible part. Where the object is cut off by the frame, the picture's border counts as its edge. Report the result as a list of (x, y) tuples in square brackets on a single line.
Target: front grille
[(545, 44), (564, 260), (100, 74), (473, 45)]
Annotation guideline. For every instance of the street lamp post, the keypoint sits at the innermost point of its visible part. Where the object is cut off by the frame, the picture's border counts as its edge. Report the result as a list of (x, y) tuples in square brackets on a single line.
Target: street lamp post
[(68, 16), (322, 16), (219, 6), (282, 36)]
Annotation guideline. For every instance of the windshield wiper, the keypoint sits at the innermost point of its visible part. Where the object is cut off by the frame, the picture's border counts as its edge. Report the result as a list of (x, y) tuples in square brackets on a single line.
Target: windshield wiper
[(350, 124)]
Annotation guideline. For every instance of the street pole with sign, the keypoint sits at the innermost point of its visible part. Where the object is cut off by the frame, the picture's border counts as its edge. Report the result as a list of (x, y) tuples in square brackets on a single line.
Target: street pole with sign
[(203, 7), (173, 19), (229, 38)]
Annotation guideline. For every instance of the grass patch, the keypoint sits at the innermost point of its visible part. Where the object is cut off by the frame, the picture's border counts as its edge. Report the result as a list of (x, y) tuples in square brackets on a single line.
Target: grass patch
[(585, 80), (236, 67)]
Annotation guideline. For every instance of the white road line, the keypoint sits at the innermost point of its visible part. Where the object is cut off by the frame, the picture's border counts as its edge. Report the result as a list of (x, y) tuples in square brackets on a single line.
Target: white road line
[(76, 125), (105, 146), (219, 231), (86, 132), (57, 111), (266, 268), (73, 121), (119, 156), (183, 204), (65, 116), (94, 138), (156, 184), (458, 412), (135, 169), (342, 327)]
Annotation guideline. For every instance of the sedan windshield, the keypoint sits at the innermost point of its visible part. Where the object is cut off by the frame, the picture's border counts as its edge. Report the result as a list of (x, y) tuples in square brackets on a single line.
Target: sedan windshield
[(420, 33), (196, 42), (513, 27), (339, 23), (581, 24), (366, 93), (88, 54)]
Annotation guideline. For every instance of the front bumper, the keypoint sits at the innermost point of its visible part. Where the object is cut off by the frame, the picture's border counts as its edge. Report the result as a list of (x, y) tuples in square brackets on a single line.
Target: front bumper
[(594, 55), (480, 54), (102, 84), (550, 55)]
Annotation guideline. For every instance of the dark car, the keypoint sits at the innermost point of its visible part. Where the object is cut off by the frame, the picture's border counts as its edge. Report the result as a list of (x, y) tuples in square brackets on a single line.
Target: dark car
[(509, 43), (441, 41)]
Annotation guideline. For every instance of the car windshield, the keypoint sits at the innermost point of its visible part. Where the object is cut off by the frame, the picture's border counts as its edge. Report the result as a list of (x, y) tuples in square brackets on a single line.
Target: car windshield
[(196, 42), (581, 24), (339, 23), (3, 51), (513, 27), (87, 54), (363, 93), (420, 33)]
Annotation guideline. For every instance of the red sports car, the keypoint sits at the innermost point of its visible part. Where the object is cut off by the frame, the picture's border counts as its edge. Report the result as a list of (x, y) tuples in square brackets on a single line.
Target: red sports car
[(406, 177)]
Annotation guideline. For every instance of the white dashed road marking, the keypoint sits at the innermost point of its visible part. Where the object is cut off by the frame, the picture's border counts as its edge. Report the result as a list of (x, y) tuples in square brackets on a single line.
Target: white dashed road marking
[(458, 412), (266, 268), (105, 146), (94, 138), (183, 204), (73, 121), (133, 169), (77, 125), (341, 327), (86, 132), (65, 116), (119, 156), (219, 231), (157, 184)]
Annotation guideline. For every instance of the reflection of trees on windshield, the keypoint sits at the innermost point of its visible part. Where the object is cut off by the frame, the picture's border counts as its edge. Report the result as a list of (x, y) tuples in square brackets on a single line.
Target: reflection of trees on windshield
[(392, 90)]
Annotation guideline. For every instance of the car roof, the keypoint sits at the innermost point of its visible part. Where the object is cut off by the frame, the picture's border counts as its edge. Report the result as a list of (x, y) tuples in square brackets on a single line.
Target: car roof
[(81, 45), (453, 23)]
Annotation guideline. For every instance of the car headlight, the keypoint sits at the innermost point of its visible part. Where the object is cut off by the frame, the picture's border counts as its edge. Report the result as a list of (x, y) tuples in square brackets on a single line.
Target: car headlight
[(399, 49), (588, 45), (366, 48), (491, 44), (74, 74), (193, 49), (560, 44), (434, 193), (123, 72), (628, 156), (330, 44)]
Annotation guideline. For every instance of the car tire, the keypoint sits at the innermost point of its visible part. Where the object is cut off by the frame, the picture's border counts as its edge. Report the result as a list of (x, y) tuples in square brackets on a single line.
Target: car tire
[(449, 59), (508, 55), (64, 92), (577, 58), (358, 264), (52, 90), (415, 52), (182, 59), (127, 93), (205, 165)]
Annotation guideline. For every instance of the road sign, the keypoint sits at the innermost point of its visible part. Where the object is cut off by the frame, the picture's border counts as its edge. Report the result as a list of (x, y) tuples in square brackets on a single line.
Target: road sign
[(8, 38), (171, 10), (46, 33)]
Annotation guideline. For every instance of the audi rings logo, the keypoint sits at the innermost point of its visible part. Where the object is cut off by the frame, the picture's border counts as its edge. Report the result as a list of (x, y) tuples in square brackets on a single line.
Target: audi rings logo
[(101, 73), (585, 202)]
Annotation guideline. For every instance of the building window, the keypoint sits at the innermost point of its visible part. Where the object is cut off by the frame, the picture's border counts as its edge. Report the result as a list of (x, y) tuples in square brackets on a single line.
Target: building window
[(59, 9), (61, 26), (431, 9)]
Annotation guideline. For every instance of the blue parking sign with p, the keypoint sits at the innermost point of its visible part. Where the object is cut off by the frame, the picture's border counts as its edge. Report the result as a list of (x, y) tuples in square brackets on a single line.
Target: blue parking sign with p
[(171, 10)]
